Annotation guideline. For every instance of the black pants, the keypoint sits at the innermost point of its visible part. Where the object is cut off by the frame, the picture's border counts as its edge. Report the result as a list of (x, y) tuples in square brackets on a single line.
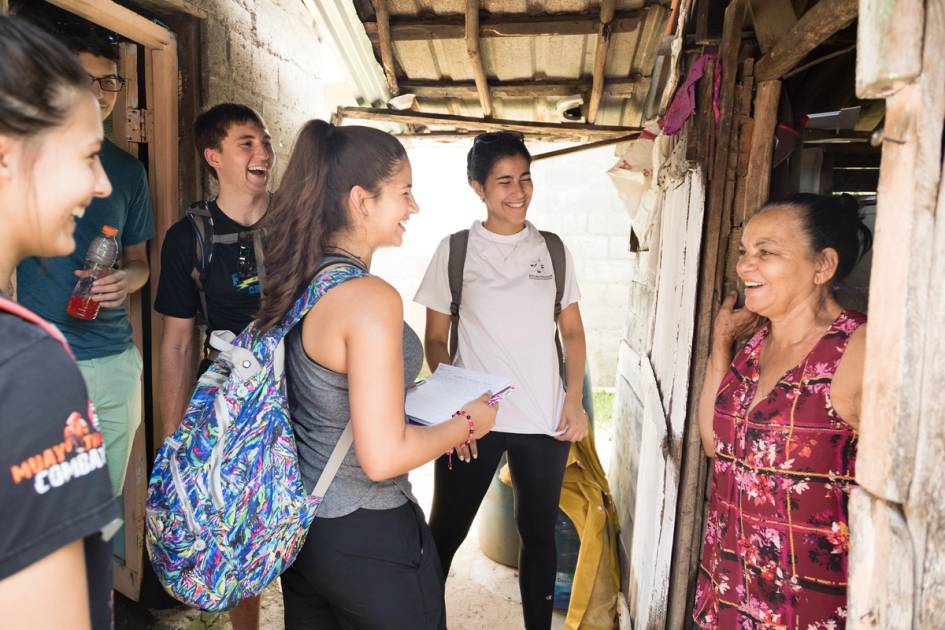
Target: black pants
[(372, 569), (537, 465)]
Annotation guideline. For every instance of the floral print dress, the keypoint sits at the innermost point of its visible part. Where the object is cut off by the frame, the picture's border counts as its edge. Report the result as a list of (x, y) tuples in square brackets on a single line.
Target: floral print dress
[(776, 535)]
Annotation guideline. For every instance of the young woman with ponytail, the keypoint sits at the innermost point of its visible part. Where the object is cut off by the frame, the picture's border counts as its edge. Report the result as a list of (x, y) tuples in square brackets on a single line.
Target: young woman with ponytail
[(369, 560)]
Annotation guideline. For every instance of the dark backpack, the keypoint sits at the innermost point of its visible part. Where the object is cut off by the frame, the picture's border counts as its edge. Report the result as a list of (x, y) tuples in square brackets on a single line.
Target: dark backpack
[(457, 262), (205, 239)]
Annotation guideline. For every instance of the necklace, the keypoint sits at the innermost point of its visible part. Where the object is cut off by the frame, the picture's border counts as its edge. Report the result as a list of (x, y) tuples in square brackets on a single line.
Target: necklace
[(338, 248), (506, 257)]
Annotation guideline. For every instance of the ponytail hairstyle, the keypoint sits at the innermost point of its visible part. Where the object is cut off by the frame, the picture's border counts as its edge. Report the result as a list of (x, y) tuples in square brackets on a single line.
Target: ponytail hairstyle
[(39, 79), (832, 221), (311, 205)]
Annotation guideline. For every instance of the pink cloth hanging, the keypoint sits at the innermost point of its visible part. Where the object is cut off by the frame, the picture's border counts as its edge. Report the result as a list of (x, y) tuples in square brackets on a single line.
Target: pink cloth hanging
[(684, 102)]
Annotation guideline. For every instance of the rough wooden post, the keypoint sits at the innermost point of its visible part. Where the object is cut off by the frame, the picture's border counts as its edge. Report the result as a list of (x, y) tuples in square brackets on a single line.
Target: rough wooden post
[(881, 566), (385, 44), (925, 506), (886, 36), (758, 179), (475, 57), (897, 566), (600, 58)]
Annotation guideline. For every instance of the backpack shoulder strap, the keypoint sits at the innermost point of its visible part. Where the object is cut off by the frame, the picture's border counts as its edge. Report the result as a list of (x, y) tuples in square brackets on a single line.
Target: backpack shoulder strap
[(559, 265), (202, 223), (9, 306), (324, 280), (459, 242)]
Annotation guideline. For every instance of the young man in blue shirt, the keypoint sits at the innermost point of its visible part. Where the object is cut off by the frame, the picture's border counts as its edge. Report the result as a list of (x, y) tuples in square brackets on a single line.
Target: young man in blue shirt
[(110, 363)]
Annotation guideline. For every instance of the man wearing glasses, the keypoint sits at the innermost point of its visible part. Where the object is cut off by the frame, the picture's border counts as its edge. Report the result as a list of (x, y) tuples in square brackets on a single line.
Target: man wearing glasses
[(109, 361), (208, 263)]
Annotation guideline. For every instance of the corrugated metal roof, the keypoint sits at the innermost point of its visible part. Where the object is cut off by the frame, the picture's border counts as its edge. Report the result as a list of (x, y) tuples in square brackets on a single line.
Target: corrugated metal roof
[(542, 57)]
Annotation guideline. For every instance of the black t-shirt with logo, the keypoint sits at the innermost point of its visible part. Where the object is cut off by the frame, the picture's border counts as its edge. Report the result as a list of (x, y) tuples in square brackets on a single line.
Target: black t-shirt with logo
[(54, 485), (232, 288)]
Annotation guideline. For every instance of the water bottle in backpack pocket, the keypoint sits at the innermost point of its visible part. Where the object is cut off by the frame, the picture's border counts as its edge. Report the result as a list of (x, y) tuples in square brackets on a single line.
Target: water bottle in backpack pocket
[(227, 511)]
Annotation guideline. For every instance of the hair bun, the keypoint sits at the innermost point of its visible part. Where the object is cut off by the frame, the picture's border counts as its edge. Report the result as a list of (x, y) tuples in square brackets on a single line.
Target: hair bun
[(848, 204)]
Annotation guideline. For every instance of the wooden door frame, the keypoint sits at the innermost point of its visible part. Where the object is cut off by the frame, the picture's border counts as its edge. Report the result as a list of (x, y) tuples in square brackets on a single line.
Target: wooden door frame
[(160, 127)]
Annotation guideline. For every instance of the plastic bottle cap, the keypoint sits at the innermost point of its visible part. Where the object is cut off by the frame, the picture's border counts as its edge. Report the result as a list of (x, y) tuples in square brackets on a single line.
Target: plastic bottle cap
[(108, 230)]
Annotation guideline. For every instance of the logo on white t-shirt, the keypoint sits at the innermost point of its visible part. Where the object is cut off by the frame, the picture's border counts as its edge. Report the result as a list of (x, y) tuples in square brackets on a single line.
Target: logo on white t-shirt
[(538, 270)]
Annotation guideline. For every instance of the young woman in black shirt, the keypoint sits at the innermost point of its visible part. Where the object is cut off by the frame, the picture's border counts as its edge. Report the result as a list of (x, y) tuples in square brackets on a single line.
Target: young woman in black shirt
[(55, 565)]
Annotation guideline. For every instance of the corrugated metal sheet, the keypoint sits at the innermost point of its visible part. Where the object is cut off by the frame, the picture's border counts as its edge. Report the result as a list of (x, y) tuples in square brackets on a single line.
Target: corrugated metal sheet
[(523, 58)]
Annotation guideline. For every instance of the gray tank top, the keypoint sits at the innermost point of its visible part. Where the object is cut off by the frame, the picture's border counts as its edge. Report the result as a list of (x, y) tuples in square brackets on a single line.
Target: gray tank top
[(318, 402)]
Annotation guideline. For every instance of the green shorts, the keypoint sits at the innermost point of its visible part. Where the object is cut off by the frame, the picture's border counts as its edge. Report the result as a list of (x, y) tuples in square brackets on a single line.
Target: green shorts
[(115, 387)]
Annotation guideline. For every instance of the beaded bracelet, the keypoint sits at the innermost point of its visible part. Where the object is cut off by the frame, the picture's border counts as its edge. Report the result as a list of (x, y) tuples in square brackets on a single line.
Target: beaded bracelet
[(471, 427)]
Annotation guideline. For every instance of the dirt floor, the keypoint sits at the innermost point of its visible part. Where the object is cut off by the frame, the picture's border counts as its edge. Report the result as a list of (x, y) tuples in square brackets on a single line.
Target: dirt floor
[(480, 594)]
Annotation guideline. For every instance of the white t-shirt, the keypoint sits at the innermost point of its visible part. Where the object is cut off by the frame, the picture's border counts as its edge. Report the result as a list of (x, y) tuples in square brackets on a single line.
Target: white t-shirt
[(506, 320)]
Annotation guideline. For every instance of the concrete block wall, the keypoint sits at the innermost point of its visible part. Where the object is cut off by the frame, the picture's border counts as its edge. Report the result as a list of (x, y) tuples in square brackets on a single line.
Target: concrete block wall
[(573, 197), (266, 54)]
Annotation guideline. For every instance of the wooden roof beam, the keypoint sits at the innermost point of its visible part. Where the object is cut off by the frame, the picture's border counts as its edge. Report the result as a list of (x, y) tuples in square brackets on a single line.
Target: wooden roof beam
[(813, 28), (454, 26), (617, 88), (585, 147), (466, 122), (600, 57), (471, 35), (384, 43), (771, 19), (123, 21)]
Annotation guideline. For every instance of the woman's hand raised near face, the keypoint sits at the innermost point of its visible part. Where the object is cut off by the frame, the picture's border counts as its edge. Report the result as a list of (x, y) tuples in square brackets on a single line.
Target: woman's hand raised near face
[(733, 324)]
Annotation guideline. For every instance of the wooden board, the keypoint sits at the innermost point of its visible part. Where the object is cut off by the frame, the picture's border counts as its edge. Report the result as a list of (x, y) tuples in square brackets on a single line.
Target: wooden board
[(600, 58), (925, 504), (881, 565), (453, 27), (615, 88), (758, 176), (128, 571), (890, 391), (496, 124), (925, 507), (688, 516), (772, 20), (889, 46), (813, 28), (161, 71), (662, 381), (117, 18)]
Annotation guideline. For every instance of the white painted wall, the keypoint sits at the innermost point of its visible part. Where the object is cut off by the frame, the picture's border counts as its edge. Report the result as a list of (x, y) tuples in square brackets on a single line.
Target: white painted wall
[(573, 197)]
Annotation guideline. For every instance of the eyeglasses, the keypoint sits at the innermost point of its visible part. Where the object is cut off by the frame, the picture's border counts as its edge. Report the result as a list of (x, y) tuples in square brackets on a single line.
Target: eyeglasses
[(246, 260), (108, 83), (497, 136)]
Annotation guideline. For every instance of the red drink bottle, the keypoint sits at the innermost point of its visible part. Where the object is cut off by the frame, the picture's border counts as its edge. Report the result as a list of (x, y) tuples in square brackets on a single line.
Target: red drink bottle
[(99, 260)]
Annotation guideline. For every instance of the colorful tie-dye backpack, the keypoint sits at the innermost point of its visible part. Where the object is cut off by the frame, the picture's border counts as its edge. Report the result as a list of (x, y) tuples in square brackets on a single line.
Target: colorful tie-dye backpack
[(226, 510)]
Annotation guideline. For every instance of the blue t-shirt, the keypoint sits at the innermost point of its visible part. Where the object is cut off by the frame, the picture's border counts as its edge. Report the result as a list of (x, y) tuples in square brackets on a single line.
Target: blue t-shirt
[(44, 285)]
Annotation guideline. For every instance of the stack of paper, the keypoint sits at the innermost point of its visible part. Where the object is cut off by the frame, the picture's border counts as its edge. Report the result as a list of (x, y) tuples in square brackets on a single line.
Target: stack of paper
[(437, 398)]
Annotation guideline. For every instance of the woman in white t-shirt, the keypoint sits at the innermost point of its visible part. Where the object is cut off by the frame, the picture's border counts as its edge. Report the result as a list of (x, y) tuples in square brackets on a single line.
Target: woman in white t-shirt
[(506, 327)]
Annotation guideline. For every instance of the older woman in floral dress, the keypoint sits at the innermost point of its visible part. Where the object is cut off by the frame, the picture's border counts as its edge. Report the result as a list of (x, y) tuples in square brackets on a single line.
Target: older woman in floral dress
[(780, 423)]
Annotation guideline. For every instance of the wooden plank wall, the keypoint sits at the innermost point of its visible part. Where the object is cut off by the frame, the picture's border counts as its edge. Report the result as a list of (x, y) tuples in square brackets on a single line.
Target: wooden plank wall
[(652, 400), (736, 154), (897, 516)]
